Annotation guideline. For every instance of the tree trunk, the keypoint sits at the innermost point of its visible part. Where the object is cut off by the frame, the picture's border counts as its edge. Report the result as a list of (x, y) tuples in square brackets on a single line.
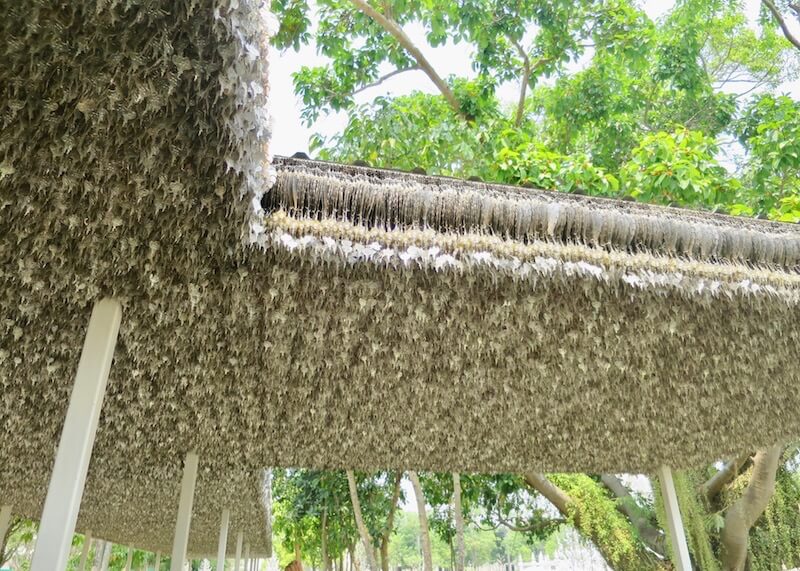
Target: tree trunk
[(425, 538), (298, 557), (639, 560), (351, 551), (326, 564), (726, 474), (366, 539), (459, 521), (652, 537), (742, 515), (387, 531)]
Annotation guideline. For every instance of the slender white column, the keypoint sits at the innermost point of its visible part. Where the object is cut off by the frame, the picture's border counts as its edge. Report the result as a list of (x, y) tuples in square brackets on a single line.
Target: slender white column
[(184, 520), (680, 550), (158, 561), (239, 539), (129, 560), (223, 540), (87, 545), (106, 556), (77, 439), (5, 521), (247, 556)]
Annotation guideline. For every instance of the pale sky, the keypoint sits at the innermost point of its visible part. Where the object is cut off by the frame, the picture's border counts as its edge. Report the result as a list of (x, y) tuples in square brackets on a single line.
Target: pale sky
[(290, 135)]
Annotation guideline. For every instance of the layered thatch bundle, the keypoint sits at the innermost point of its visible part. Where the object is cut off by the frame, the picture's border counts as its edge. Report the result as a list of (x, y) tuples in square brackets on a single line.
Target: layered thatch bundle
[(374, 320), (446, 324), (134, 140)]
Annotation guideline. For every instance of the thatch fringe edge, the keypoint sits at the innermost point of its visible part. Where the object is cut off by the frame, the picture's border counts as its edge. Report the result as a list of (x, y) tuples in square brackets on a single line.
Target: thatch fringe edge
[(405, 203), (333, 241)]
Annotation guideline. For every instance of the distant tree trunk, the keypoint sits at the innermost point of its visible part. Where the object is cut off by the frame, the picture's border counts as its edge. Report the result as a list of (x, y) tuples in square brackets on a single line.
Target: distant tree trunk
[(459, 520), (366, 539), (387, 531), (351, 551), (742, 515), (425, 538), (298, 557), (323, 532)]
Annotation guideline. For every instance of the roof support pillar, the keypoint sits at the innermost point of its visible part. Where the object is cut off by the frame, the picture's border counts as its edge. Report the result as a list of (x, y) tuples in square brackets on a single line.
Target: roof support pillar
[(129, 560), (65, 491), (680, 549), (184, 520), (5, 522), (106, 556), (237, 560), (223, 539), (87, 545), (247, 556), (158, 560)]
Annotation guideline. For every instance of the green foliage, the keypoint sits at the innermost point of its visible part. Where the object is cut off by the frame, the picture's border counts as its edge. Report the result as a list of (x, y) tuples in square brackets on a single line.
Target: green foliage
[(595, 515), (410, 131), (301, 497), (678, 168), (770, 131), (531, 163)]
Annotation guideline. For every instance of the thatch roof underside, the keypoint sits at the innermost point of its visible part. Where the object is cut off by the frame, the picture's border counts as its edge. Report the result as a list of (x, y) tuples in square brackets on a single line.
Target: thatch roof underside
[(134, 138), (374, 319)]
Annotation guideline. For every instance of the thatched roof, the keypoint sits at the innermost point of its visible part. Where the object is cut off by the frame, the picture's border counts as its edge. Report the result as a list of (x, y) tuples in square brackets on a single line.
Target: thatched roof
[(366, 319), (452, 325), (134, 138)]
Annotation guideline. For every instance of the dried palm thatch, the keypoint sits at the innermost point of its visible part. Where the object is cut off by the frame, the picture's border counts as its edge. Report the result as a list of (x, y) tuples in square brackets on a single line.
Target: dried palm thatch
[(134, 138), (492, 328), (374, 320)]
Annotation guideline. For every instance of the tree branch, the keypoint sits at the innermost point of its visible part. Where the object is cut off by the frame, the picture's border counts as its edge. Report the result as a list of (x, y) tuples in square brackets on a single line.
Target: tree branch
[(395, 30), (383, 78), (527, 70), (653, 537), (741, 516), (787, 33), (728, 472), (526, 76)]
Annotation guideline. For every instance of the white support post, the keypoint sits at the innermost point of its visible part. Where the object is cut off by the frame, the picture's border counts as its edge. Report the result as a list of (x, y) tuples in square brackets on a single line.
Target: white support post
[(223, 540), (106, 556), (680, 550), (239, 539), (87, 545), (5, 521), (74, 451), (184, 520), (158, 561), (247, 556), (129, 560)]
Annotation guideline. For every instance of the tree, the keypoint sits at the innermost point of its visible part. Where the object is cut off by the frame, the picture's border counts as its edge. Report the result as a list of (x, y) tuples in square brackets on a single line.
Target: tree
[(458, 517), (427, 557)]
